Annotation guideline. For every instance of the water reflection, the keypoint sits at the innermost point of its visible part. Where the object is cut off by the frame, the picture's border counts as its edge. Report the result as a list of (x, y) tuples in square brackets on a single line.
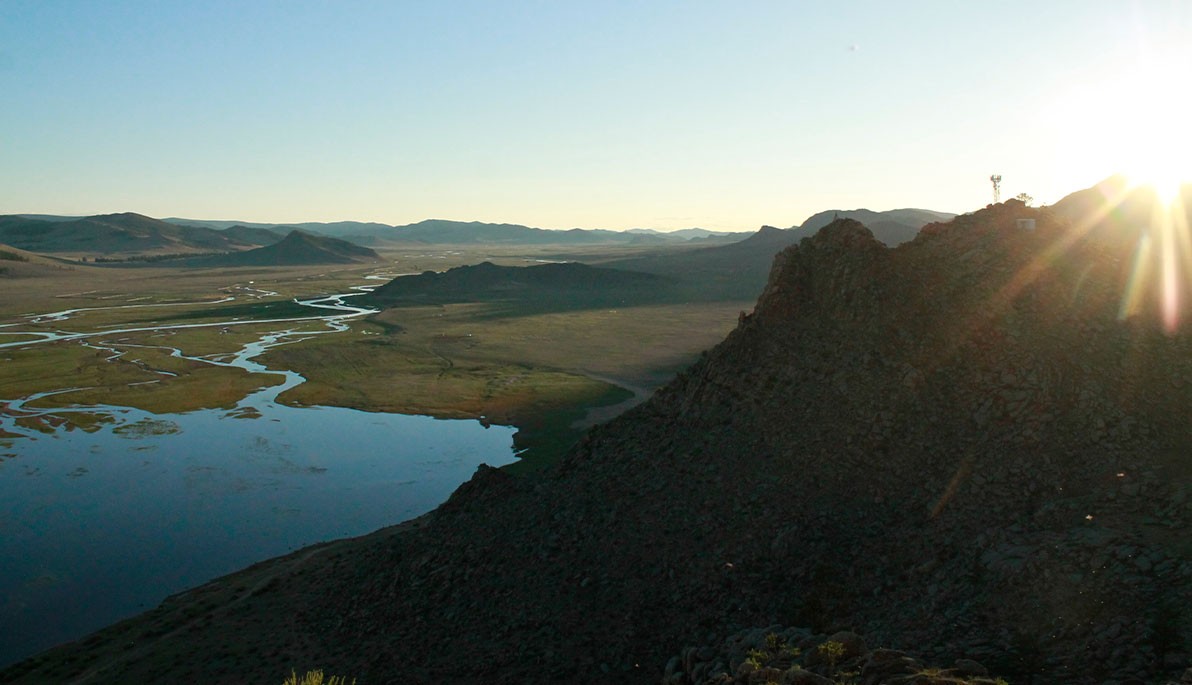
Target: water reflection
[(105, 515)]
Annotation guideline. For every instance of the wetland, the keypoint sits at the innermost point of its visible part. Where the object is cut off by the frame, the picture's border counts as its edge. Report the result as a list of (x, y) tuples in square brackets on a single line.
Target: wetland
[(162, 427)]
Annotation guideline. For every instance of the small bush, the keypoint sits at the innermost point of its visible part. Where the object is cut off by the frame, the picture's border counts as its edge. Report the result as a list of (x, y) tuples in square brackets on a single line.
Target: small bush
[(316, 678), (832, 651)]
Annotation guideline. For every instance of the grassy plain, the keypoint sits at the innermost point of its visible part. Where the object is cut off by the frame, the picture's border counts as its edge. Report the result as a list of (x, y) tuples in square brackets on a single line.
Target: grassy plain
[(548, 373)]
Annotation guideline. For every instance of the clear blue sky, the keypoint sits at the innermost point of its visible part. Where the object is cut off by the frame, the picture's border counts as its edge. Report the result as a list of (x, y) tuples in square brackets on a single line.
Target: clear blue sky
[(596, 114)]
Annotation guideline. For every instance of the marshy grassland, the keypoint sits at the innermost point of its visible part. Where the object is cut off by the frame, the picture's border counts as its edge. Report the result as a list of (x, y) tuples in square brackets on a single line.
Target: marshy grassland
[(542, 372), (550, 373)]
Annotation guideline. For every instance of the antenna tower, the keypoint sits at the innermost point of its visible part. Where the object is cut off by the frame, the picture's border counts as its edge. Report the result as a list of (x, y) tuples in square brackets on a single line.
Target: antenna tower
[(997, 187)]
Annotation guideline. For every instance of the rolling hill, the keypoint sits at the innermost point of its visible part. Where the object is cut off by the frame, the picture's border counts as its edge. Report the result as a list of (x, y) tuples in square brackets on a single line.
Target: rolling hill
[(114, 234), (297, 248), (18, 263), (250, 235)]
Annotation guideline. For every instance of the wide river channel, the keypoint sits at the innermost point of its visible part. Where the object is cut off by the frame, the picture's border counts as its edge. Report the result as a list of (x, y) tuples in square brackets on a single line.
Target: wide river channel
[(98, 526)]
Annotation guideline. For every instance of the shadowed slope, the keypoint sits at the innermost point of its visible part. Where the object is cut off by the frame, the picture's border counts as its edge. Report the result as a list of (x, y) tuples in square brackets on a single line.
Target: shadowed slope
[(570, 284)]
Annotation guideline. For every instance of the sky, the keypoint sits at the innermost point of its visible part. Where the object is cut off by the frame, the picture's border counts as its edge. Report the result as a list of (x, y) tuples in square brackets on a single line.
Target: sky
[(592, 114)]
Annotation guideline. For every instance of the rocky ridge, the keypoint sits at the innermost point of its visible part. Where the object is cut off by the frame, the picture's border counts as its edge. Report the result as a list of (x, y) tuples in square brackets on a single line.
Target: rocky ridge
[(958, 448)]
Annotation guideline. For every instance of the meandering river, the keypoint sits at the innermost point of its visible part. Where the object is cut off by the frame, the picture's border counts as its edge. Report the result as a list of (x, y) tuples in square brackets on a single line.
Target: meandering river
[(97, 526)]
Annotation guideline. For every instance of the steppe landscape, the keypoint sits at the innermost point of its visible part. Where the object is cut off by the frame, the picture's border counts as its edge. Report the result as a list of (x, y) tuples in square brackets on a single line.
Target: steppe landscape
[(768, 344)]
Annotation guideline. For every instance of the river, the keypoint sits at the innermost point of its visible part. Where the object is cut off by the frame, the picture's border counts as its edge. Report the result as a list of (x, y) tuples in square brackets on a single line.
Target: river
[(98, 526)]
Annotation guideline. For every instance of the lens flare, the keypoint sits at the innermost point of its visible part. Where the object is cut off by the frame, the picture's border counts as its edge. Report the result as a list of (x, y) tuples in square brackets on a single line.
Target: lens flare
[(1162, 261)]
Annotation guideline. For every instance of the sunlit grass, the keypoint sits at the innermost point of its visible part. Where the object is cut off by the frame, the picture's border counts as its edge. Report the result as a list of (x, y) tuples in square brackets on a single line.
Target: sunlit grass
[(316, 678), (539, 371)]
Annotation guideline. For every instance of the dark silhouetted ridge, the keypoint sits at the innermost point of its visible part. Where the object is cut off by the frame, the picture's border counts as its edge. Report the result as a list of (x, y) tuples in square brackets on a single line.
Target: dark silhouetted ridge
[(560, 283)]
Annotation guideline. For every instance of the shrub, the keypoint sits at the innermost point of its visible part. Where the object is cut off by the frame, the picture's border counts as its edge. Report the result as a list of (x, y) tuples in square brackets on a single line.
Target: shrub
[(316, 678)]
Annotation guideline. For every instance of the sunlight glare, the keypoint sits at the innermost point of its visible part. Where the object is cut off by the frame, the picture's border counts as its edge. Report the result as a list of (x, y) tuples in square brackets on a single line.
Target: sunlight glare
[(1133, 121), (1160, 145)]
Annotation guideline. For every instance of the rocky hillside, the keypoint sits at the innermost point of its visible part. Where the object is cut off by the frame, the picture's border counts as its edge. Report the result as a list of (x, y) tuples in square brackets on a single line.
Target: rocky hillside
[(956, 448)]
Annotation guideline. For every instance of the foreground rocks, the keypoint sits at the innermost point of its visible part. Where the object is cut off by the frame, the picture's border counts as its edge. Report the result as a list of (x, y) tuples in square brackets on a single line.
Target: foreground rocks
[(795, 656), (973, 448)]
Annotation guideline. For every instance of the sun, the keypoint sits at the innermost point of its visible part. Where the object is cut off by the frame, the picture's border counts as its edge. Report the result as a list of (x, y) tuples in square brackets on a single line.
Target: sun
[(1134, 120), (1158, 149)]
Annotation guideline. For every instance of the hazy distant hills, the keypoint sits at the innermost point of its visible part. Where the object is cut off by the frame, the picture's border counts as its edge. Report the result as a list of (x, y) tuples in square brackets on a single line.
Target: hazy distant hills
[(892, 227), (473, 232), (569, 283), (739, 270), (130, 233), (134, 234), (689, 234), (733, 271), (296, 249), (338, 229), (443, 231), (736, 270), (722, 272), (107, 234)]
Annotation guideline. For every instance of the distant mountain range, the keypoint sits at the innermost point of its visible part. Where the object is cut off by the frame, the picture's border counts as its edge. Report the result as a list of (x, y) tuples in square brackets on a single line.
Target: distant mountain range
[(334, 228), (724, 272), (892, 227), (134, 233), (129, 233), (443, 231), (739, 270)]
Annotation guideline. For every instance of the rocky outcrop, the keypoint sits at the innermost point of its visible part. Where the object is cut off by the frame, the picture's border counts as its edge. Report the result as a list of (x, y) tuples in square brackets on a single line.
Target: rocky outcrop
[(960, 448)]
